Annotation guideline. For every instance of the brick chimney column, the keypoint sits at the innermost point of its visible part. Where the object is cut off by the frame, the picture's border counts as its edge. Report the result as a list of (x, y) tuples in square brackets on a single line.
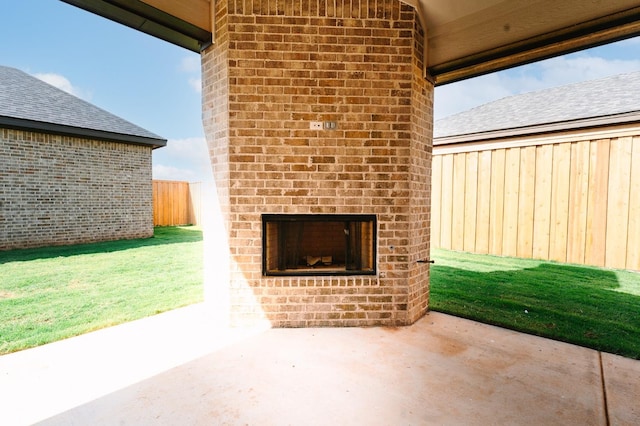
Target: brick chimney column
[(275, 68)]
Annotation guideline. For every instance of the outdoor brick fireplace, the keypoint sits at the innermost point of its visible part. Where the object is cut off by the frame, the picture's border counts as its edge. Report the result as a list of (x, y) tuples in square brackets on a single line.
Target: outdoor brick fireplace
[(318, 120)]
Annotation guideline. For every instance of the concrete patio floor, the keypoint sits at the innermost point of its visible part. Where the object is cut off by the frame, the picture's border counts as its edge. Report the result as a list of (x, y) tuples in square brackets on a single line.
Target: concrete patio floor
[(177, 368)]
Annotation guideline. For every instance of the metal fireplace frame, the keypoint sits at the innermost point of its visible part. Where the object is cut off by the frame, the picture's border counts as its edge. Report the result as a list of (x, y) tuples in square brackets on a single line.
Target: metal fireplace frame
[(353, 264)]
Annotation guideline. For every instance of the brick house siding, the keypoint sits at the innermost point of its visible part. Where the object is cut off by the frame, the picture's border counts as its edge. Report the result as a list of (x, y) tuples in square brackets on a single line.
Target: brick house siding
[(273, 69), (59, 190)]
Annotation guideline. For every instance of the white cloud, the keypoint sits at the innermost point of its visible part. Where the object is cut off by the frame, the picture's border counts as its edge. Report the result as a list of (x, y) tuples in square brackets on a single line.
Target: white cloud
[(196, 84), (190, 64), (563, 70), (165, 172), (183, 159), (62, 83), (457, 97)]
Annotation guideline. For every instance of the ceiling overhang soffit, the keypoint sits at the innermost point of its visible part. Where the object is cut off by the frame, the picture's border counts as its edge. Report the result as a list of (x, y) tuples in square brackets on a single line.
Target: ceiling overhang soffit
[(466, 38), (489, 35)]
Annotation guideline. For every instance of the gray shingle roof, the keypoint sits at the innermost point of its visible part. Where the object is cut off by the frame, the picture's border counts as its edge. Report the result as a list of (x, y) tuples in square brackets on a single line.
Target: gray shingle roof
[(606, 97), (29, 103)]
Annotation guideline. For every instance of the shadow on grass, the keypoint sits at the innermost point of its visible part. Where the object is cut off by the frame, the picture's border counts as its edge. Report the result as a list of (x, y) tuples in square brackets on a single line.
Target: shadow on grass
[(161, 236), (578, 305)]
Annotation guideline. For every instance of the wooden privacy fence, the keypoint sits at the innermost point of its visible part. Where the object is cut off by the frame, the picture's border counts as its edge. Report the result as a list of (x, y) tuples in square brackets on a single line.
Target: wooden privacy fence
[(569, 198), (176, 203)]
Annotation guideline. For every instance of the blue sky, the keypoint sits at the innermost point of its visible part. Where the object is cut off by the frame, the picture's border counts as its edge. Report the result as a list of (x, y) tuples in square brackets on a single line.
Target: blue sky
[(157, 85)]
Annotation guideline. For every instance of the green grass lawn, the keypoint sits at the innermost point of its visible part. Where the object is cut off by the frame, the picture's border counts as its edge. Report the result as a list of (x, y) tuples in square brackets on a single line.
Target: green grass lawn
[(48, 294), (591, 307)]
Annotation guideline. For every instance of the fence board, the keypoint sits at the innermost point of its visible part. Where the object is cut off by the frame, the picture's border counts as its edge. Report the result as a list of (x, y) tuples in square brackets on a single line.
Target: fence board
[(457, 219), (618, 203), (497, 202), (182, 214), (578, 193), (470, 202), (447, 201), (633, 233), (436, 199), (484, 201), (154, 198), (597, 202), (542, 208), (526, 201), (195, 195), (511, 195), (560, 202)]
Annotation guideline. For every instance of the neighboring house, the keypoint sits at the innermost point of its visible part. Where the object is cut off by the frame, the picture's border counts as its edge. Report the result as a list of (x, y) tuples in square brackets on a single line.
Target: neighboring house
[(69, 172), (553, 174)]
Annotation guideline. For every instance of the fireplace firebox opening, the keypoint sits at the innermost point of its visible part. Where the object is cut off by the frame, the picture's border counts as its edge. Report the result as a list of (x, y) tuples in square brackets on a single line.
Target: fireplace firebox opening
[(318, 244)]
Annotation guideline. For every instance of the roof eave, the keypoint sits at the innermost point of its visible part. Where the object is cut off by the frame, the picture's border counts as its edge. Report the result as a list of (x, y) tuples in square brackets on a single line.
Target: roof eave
[(607, 120), (58, 129), (143, 17)]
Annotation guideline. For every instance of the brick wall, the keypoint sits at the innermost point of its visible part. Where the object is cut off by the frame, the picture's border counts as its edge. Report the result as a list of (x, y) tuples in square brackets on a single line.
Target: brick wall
[(274, 68), (57, 190), (421, 128)]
